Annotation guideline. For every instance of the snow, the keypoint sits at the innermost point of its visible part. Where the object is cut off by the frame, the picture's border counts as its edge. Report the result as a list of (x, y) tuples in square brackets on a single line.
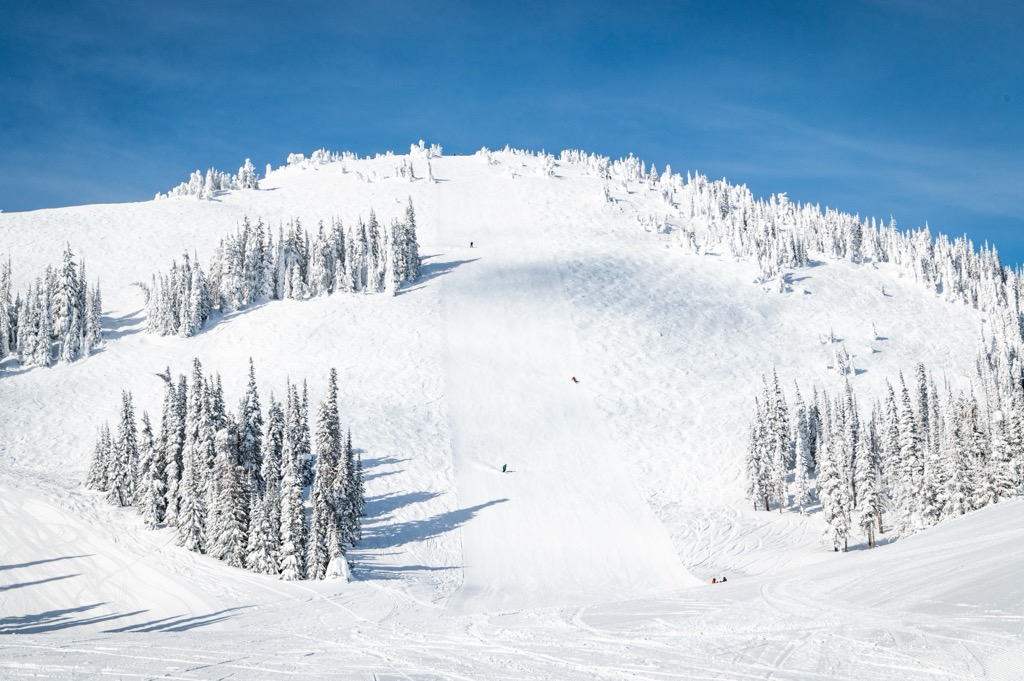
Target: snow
[(591, 557)]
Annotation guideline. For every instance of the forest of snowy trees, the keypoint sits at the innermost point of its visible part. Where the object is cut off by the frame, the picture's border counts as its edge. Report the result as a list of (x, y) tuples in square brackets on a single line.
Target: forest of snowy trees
[(250, 265), (922, 454), (206, 186), (779, 234), (57, 319), (233, 484)]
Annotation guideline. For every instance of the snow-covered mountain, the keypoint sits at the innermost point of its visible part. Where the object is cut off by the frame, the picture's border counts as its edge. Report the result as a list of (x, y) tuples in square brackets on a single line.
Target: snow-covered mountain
[(625, 490)]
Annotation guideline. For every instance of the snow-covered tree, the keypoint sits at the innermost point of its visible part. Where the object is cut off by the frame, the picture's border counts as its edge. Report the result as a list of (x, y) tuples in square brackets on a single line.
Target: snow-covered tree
[(866, 477), (102, 464), (150, 488), (229, 529), (293, 528), (261, 550), (124, 463)]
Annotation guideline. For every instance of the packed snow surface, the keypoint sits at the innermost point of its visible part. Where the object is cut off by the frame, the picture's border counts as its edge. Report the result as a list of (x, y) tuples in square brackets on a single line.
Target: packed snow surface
[(593, 555)]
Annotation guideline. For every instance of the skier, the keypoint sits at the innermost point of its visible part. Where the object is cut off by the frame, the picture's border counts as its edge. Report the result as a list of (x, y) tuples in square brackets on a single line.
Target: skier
[(574, 380), (471, 244), (713, 580), (724, 580), (504, 466)]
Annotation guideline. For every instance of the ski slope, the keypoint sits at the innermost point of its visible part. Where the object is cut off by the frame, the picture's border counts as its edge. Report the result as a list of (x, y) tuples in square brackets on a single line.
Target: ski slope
[(592, 555), (568, 499)]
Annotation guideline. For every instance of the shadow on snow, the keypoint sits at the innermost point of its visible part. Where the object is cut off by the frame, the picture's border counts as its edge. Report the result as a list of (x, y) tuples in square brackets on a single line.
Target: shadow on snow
[(33, 563)]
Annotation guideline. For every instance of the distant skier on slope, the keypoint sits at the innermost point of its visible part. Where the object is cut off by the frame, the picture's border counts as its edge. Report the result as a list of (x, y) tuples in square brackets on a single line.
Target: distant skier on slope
[(504, 467), (575, 380)]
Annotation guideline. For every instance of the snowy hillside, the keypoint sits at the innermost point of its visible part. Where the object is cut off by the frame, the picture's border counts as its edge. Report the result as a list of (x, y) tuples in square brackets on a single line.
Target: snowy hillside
[(625, 491)]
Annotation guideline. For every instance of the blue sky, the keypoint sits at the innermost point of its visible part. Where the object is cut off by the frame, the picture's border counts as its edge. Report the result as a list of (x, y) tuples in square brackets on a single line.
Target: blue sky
[(904, 108)]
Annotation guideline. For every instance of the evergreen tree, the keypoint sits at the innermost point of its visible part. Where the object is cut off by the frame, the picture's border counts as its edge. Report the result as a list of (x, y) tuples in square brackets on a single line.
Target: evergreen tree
[(261, 552), (192, 490), (126, 456), (955, 497), (324, 537), (67, 312), (102, 462), (293, 530), (354, 492), (192, 513), (41, 355), (150, 500), (250, 435), (271, 455), (93, 322), (910, 470), (303, 448), (801, 454), (755, 465), (7, 320), (781, 447), (832, 490), (869, 489), (173, 427), (317, 555), (230, 526)]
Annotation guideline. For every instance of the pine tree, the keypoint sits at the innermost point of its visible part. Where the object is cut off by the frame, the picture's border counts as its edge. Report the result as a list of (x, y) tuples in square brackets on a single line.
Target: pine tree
[(126, 456), (781, 452), (755, 465), (271, 453), (247, 176), (41, 355), (230, 527), (250, 435), (67, 313), (7, 320), (192, 490), (304, 449), (869, 489), (173, 437), (348, 496), (26, 328), (293, 530), (213, 419), (889, 448), (102, 462), (317, 555), (832, 490), (149, 491), (801, 454), (324, 539), (261, 553), (955, 495), (93, 320), (192, 514), (355, 491), (910, 469)]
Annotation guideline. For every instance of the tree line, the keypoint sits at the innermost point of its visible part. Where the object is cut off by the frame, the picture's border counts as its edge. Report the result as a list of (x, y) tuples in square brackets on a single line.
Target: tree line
[(233, 484), (921, 455), (206, 186), (250, 265), (57, 319)]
